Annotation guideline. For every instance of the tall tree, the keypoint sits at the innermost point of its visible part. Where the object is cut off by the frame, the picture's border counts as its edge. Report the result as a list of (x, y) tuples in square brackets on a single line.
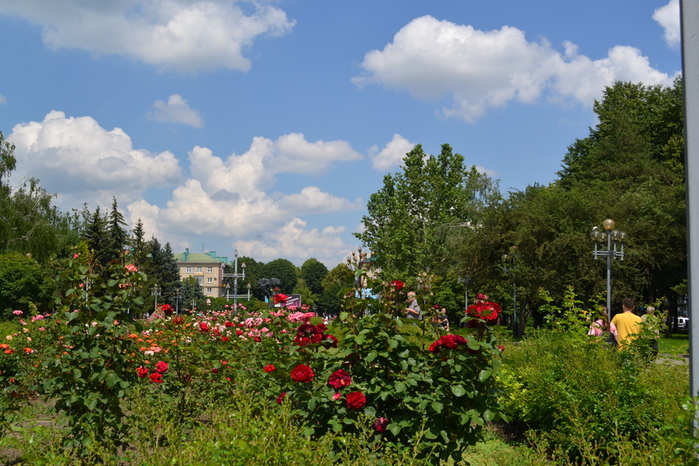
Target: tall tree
[(410, 217), (117, 236), (313, 272), (96, 236), (285, 271)]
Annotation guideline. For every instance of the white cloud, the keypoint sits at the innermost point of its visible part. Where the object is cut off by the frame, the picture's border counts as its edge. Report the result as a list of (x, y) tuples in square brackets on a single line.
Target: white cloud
[(294, 154), (392, 155), (668, 17), (312, 200), (180, 35), (478, 70), (3, 99), (297, 243), (78, 158), (176, 110)]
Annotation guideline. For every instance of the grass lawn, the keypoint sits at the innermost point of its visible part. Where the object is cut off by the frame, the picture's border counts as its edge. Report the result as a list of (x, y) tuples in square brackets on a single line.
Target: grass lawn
[(678, 343)]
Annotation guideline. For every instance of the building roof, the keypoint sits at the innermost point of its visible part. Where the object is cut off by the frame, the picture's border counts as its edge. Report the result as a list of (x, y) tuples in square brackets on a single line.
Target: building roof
[(200, 257)]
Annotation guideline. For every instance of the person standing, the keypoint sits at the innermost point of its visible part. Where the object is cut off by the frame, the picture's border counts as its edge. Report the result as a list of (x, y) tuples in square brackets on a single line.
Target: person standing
[(627, 323), (413, 310), (602, 325)]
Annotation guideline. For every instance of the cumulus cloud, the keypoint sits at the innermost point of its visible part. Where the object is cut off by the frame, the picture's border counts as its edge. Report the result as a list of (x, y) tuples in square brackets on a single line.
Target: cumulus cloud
[(296, 242), (76, 156), (477, 70), (392, 155), (176, 110), (180, 35), (311, 200), (668, 17), (3, 99)]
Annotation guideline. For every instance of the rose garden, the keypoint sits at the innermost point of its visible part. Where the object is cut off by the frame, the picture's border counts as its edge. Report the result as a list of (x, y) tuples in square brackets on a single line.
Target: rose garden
[(90, 384)]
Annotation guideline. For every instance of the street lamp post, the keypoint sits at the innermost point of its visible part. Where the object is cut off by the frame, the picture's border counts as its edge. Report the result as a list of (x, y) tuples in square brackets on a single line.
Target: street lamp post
[(614, 239), (155, 293), (235, 275), (507, 260), (249, 288), (228, 290), (465, 280), (194, 303)]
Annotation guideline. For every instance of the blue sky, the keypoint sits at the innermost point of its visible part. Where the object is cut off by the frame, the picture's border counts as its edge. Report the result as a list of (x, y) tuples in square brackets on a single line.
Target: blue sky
[(266, 126)]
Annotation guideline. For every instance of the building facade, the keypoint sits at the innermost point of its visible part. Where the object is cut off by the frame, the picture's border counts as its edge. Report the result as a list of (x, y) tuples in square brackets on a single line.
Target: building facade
[(207, 268)]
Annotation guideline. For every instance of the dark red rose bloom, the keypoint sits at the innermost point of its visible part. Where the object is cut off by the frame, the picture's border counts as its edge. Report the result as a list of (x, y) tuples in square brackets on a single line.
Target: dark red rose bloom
[(142, 372), (280, 398), (156, 377), (214, 370), (161, 367), (280, 298), (167, 309), (269, 368), (340, 378), (257, 339), (355, 400), (501, 348), (331, 341), (397, 284), (238, 332), (178, 320), (448, 341), (302, 373), (228, 324), (225, 339), (485, 310), (204, 327), (380, 424)]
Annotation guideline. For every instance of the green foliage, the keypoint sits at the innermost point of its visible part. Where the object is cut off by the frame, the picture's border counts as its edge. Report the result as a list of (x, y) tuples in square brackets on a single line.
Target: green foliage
[(92, 371), (412, 216), (442, 395), (314, 272), (583, 400), (22, 282), (285, 271)]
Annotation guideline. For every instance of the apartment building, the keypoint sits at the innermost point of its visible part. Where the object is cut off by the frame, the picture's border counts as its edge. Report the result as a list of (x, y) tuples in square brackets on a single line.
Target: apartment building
[(206, 267)]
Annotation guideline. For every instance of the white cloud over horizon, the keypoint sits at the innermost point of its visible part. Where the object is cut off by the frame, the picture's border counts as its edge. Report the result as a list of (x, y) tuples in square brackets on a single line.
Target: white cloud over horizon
[(392, 155), (478, 70), (668, 17), (3, 99), (175, 110), (230, 198), (179, 35)]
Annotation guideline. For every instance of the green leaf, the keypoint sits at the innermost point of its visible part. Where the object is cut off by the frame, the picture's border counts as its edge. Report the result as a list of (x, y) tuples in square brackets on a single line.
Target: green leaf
[(309, 431), (370, 411), (399, 386), (458, 390), (437, 406), (371, 356), (343, 316), (430, 435), (488, 415), (395, 429), (484, 374)]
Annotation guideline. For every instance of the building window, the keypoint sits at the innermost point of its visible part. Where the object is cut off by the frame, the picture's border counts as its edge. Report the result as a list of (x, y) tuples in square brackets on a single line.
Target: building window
[(189, 270), (210, 270), (209, 279), (208, 290), (198, 269), (200, 280)]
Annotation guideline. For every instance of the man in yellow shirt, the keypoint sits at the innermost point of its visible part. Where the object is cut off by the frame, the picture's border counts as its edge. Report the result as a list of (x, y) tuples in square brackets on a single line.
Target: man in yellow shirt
[(628, 324)]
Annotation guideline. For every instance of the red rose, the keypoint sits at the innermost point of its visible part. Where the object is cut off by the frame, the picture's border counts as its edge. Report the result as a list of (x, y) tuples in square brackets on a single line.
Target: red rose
[(380, 424), (204, 327), (269, 368), (355, 400), (130, 267), (142, 372), (280, 298), (225, 339), (161, 367), (330, 341), (397, 284), (238, 332), (178, 320), (340, 378), (214, 370), (280, 398), (228, 324), (156, 377), (302, 373)]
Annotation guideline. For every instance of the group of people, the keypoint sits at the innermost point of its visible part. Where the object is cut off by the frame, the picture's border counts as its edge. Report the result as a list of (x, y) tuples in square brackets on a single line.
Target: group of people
[(413, 311), (624, 327)]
